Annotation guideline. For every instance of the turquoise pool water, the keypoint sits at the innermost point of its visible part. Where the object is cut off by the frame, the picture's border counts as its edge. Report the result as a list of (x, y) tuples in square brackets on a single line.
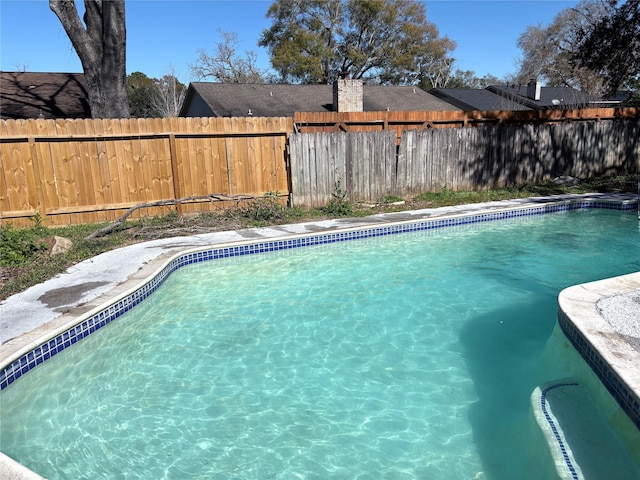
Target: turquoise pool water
[(407, 356)]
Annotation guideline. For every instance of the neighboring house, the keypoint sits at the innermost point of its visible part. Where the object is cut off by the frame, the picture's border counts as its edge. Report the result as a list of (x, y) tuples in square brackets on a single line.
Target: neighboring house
[(43, 95), (470, 99), (521, 97), (620, 97), (536, 97), (207, 99)]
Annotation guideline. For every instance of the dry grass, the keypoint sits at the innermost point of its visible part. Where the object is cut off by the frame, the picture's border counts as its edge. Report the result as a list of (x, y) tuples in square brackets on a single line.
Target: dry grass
[(39, 265)]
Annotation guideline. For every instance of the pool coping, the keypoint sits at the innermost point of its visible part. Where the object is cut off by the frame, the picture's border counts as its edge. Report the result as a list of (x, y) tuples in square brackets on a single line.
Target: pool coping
[(596, 335), (164, 256)]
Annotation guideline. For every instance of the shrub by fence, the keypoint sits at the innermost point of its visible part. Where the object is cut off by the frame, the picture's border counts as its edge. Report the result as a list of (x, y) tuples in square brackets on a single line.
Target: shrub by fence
[(367, 166), (80, 171)]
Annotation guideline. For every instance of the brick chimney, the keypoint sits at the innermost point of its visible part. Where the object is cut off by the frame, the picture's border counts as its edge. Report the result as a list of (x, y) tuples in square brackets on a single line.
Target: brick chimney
[(347, 95)]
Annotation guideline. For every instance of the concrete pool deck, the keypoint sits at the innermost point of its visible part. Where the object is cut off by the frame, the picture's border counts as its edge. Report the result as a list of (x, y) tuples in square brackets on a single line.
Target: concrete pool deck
[(28, 318), (94, 281)]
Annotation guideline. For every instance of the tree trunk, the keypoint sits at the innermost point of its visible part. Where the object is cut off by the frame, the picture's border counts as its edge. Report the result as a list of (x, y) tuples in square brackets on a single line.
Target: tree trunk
[(101, 45)]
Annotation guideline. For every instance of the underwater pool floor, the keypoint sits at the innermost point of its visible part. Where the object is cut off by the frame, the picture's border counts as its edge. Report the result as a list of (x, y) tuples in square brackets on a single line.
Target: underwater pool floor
[(60, 302)]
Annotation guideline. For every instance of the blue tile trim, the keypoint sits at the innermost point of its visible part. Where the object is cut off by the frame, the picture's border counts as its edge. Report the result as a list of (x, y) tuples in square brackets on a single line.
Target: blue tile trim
[(626, 398), (35, 357), (554, 428)]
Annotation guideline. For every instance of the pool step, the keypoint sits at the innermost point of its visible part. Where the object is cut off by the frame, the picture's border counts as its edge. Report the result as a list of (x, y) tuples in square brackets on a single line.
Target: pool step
[(582, 443)]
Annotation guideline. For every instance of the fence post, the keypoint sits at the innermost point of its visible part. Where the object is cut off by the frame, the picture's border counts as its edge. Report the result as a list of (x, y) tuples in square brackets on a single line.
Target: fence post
[(175, 173)]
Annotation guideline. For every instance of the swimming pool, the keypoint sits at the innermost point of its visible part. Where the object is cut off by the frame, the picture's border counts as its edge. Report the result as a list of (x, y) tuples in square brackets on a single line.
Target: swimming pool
[(428, 379)]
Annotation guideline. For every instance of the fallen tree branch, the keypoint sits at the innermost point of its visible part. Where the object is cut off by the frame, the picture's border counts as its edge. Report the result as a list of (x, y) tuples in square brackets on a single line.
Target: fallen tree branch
[(165, 203)]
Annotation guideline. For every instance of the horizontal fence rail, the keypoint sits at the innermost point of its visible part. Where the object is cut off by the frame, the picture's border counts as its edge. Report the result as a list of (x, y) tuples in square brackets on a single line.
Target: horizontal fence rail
[(400, 121), (84, 171)]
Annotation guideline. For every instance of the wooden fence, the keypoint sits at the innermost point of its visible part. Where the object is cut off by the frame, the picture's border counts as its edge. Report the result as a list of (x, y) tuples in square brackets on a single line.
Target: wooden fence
[(80, 171), (367, 166)]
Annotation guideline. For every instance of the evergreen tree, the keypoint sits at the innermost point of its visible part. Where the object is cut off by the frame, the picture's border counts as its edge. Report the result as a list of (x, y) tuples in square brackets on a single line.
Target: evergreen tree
[(381, 41)]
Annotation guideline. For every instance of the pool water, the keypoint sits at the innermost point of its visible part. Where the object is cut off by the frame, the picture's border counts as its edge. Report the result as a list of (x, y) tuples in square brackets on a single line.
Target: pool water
[(400, 357)]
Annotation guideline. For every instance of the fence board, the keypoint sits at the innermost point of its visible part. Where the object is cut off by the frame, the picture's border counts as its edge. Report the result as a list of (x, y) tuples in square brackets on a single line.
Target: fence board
[(225, 173), (37, 179), (42, 152), (256, 166), (15, 159), (131, 146), (296, 159), (311, 176), (211, 165), (113, 167), (93, 184), (319, 173), (359, 172), (162, 152), (242, 159), (198, 151), (182, 163)]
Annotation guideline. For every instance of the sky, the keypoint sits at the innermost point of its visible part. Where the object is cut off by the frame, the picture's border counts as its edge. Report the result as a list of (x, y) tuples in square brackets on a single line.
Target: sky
[(167, 35)]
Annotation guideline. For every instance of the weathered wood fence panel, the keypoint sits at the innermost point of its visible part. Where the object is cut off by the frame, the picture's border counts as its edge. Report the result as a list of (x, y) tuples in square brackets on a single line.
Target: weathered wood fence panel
[(320, 162), (360, 164), (461, 158), (473, 158), (80, 171)]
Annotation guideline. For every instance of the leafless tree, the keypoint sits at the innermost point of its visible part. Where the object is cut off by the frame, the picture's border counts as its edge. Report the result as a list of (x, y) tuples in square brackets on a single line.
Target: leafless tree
[(548, 50), (169, 95), (436, 72), (224, 64)]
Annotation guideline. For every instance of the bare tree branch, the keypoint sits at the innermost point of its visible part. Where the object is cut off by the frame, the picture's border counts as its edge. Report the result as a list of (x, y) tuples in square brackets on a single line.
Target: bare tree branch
[(165, 203)]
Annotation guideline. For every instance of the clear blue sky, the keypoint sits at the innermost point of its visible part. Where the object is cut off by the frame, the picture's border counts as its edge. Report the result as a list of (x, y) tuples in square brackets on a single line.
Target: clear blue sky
[(164, 34)]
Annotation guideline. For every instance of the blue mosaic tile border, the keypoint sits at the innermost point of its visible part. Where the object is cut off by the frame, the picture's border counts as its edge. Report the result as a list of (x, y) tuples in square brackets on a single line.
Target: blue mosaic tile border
[(554, 428), (626, 398), (35, 357)]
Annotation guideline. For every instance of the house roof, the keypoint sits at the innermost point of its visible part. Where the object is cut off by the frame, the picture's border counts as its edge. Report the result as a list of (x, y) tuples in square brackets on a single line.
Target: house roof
[(476, 99), (241, 99), (43, 95), (550, 97)]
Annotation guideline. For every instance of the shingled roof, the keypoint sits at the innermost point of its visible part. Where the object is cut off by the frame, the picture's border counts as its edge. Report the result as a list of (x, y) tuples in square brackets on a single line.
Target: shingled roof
[(469, 99), (205, 99), (550, 97), (43, 95)]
